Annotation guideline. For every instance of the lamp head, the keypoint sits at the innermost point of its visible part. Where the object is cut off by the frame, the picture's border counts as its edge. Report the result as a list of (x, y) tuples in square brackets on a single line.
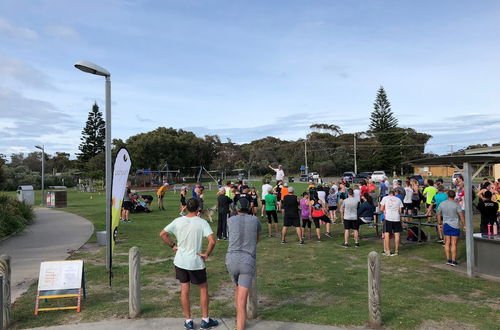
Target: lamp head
[(38, 147), (92, 68)]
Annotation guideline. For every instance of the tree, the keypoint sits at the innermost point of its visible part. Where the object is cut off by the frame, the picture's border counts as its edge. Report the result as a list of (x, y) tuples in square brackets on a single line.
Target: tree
[(382, 118), (326, 128), (93, 135)]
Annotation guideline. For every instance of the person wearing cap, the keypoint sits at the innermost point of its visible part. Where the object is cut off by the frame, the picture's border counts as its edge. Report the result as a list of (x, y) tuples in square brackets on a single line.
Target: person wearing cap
[(189, 262), (160, 193), (291, 216), (284, 191), (244, 231)]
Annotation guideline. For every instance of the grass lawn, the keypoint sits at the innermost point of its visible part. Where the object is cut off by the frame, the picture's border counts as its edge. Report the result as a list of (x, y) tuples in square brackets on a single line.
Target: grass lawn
[(319, 283)]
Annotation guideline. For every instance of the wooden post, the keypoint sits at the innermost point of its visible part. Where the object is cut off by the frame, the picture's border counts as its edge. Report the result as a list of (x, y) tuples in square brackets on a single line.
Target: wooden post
[(6, 271), (134, 282), (252, 299), (375, 316)]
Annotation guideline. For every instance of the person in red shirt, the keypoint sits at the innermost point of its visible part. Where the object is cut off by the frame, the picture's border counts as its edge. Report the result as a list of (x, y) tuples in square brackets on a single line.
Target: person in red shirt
[(364, 188)]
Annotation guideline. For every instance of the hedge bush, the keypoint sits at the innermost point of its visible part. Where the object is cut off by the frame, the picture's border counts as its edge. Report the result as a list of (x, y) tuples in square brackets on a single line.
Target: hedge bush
[(14, 215)]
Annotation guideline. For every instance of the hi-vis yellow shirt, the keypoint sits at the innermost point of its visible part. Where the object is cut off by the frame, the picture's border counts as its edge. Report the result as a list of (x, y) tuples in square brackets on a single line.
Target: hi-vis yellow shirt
[(161, 190)]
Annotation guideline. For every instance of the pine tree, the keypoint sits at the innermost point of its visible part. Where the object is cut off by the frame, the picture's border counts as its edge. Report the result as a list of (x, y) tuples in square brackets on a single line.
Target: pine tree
[(92, 135), (382, 118)]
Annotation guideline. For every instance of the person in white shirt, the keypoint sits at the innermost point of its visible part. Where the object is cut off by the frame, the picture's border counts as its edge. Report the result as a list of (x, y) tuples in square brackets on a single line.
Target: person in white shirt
[(357, 193), (408, 199), (280, 174), (391, 206), (266, 187), (189, 262)]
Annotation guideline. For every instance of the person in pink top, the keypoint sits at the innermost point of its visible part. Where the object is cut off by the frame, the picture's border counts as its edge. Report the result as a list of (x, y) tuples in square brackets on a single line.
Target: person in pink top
[(305, 214)]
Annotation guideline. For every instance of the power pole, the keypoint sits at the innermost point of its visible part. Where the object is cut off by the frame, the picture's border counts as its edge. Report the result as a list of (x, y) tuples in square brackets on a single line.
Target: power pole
[(305, 156), (401, 154), (355, 160)]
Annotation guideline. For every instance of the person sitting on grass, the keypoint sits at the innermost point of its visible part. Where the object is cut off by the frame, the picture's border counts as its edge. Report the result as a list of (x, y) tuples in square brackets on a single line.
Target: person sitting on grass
[(448, 217)]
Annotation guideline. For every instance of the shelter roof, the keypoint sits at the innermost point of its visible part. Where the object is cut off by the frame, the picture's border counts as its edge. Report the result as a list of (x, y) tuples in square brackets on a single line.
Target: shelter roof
[(457, 159)]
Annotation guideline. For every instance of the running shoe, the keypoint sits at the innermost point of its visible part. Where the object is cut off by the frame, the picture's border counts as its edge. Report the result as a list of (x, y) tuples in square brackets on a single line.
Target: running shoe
[(395, 254), (385, 254), (319, 241), (270, 236), (328, 235), (356, 244), (303, 236), (345, 245), (301, 242), (209, 324), (449, 262), (189, 325), (283, 242), (454, 263), (440, 241)]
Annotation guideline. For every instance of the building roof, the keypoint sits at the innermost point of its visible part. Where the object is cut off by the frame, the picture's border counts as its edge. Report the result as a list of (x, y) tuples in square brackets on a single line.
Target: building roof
[(458, 159), (487, 150)]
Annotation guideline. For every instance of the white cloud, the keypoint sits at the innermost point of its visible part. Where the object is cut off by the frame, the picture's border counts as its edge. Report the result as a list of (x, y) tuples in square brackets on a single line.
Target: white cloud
[(62, 31), (23, 73), (8, 29)]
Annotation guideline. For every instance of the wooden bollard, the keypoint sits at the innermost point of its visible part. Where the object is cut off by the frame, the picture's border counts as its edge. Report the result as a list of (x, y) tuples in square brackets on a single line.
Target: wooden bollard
[(252, 299), (6, 271), (134, 282), (375, 316)]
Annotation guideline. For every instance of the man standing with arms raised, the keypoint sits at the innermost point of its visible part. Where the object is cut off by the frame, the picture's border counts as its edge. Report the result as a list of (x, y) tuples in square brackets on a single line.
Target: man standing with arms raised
[(244, 232), (280, 174), (189, 261)]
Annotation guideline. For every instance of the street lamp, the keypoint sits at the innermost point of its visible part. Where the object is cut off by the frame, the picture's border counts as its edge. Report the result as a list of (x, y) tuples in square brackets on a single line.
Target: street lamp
[(92, 68), (42, 202)]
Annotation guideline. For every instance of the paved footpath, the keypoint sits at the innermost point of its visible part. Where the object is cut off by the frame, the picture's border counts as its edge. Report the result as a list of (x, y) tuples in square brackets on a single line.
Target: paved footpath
[(169, 323), (52, 236)]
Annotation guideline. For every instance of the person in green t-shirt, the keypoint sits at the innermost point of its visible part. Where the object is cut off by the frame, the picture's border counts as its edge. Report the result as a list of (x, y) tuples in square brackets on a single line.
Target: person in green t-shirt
[(429, 194), (271, 212)]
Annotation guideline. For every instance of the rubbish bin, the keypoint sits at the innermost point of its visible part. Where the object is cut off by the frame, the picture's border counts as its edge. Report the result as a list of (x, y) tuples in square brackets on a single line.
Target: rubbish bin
[(26, 194), (57, 198)]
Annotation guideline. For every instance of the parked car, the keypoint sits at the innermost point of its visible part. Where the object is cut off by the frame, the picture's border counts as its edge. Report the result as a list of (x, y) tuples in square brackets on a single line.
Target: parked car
[(314, 176), (364, 175), (377, 176), (349, 176), (419, 178)]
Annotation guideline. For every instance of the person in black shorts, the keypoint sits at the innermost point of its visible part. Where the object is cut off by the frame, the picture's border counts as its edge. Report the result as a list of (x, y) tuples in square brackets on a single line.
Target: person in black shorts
[(319, 214), (182, 207), (127, 204), (291, 216)]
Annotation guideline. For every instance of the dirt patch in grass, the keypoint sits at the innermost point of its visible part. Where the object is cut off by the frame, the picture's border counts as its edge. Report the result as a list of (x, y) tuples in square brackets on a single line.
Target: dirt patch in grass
[(90, 248), (449, 298), (446, 325), (225, 292), (171, 285)]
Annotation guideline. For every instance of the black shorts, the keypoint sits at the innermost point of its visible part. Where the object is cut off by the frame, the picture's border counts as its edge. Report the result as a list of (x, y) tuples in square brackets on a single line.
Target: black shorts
[(323, 218), (408, 206), (351, 224), (160, 196), (272, 214), (183, 201), (291, 221), (332, 208), (127, 205), (263, 201), (392, 227), (194, 276), (306, 223)]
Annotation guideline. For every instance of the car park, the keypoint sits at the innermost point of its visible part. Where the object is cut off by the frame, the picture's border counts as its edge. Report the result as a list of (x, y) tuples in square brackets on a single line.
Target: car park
[(364, 175), (349, 177)]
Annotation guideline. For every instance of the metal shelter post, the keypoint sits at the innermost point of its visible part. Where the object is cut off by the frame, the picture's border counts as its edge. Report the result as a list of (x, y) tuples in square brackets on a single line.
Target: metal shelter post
[(469, 238)]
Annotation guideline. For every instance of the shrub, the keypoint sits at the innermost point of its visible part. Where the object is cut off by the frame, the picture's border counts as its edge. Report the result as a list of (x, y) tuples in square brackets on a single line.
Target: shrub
[(14, 215)]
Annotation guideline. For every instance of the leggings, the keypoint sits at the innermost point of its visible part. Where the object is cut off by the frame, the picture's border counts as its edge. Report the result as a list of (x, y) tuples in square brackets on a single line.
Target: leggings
[(273, 214)]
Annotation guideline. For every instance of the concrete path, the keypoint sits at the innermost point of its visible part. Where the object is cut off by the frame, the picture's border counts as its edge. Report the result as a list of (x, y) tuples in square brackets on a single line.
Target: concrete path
[(52, 236), (169, 323)]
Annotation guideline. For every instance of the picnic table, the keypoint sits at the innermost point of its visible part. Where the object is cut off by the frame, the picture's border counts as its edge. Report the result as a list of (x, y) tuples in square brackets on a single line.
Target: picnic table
[(419, 220)]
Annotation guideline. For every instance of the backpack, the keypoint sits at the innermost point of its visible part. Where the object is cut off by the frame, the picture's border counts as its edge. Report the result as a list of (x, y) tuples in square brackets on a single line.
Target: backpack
[(413, 235)]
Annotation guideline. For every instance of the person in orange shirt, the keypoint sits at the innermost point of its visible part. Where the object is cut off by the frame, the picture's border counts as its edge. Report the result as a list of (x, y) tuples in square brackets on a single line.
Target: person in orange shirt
[(160, 194), (284, 191)]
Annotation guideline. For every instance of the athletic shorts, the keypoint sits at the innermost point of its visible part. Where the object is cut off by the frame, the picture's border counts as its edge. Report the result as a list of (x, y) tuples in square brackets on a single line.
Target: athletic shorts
[(198, 276), (351, 224), (323, 218), (433, 206), (272, 214), (306, 223), (416, 203), (332, 208), (183, 202), (241, 274), (450, 231), (127, 205), (392, 226), (159, 196), (291, 221), (408, 206), (263, 201)]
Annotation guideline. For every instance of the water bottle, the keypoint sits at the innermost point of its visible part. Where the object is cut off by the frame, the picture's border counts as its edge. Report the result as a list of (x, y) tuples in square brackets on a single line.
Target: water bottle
[(495, 229), (489, 229)]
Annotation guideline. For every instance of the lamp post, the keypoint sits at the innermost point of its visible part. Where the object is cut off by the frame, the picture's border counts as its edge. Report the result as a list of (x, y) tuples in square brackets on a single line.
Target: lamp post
[(97, 70), (42, 202)]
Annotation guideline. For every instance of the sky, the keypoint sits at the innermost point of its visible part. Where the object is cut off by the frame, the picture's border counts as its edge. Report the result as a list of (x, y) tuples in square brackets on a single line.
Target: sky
[(248, 69)]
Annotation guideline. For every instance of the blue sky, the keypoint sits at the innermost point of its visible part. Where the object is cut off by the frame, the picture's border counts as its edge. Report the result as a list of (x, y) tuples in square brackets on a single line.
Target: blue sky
[(248, 69)]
